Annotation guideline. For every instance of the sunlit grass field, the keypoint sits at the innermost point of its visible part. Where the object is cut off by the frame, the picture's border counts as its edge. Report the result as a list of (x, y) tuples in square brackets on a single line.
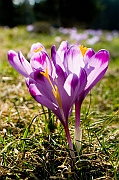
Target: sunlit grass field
[(32, 141)]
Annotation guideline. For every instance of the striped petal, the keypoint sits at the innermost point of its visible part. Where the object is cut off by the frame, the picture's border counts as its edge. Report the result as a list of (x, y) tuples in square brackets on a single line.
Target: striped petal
[(42, 99), (89, 53), (74, 60), (18, 61), (41, 61), (57, 60), (43, 85), (37, 47), (96, 68), (73, 87), (62, 50)]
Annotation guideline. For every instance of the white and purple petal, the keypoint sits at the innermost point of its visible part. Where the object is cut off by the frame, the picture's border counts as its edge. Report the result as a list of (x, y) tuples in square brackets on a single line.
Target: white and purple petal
[(36, 47), (18, 61), (72, 88), (40, 98), (62, 50), (87, 56), (43, 85), (96, 68), (41, 60), (56, 58), (74, 60)]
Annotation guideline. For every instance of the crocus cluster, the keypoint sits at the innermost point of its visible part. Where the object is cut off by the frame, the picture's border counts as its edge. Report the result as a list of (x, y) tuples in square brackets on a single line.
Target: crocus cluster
[(62, 80), (90, 36)]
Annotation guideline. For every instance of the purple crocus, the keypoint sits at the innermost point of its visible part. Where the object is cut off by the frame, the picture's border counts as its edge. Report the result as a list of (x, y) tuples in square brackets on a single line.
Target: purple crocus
[(55, 82), (95, 66)]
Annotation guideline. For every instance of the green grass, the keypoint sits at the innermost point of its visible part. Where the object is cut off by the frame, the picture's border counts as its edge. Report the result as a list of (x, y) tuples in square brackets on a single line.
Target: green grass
[(33, 143)]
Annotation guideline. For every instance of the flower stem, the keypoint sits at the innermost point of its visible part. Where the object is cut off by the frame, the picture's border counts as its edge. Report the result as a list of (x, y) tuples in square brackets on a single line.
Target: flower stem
[(78, 131), (69, 141), (77, 113)]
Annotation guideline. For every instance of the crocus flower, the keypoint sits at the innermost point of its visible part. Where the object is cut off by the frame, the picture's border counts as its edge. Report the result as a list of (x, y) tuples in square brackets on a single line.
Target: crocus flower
[(54, 82), (95, 65)]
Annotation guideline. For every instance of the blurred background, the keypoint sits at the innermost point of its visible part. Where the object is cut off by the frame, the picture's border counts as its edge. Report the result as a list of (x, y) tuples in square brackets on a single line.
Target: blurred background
[(95, 14)]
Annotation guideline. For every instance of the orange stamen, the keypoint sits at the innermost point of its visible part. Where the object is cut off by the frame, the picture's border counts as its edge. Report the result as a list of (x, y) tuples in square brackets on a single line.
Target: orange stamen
[(38, 49), (55, 90), (83, 50)]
